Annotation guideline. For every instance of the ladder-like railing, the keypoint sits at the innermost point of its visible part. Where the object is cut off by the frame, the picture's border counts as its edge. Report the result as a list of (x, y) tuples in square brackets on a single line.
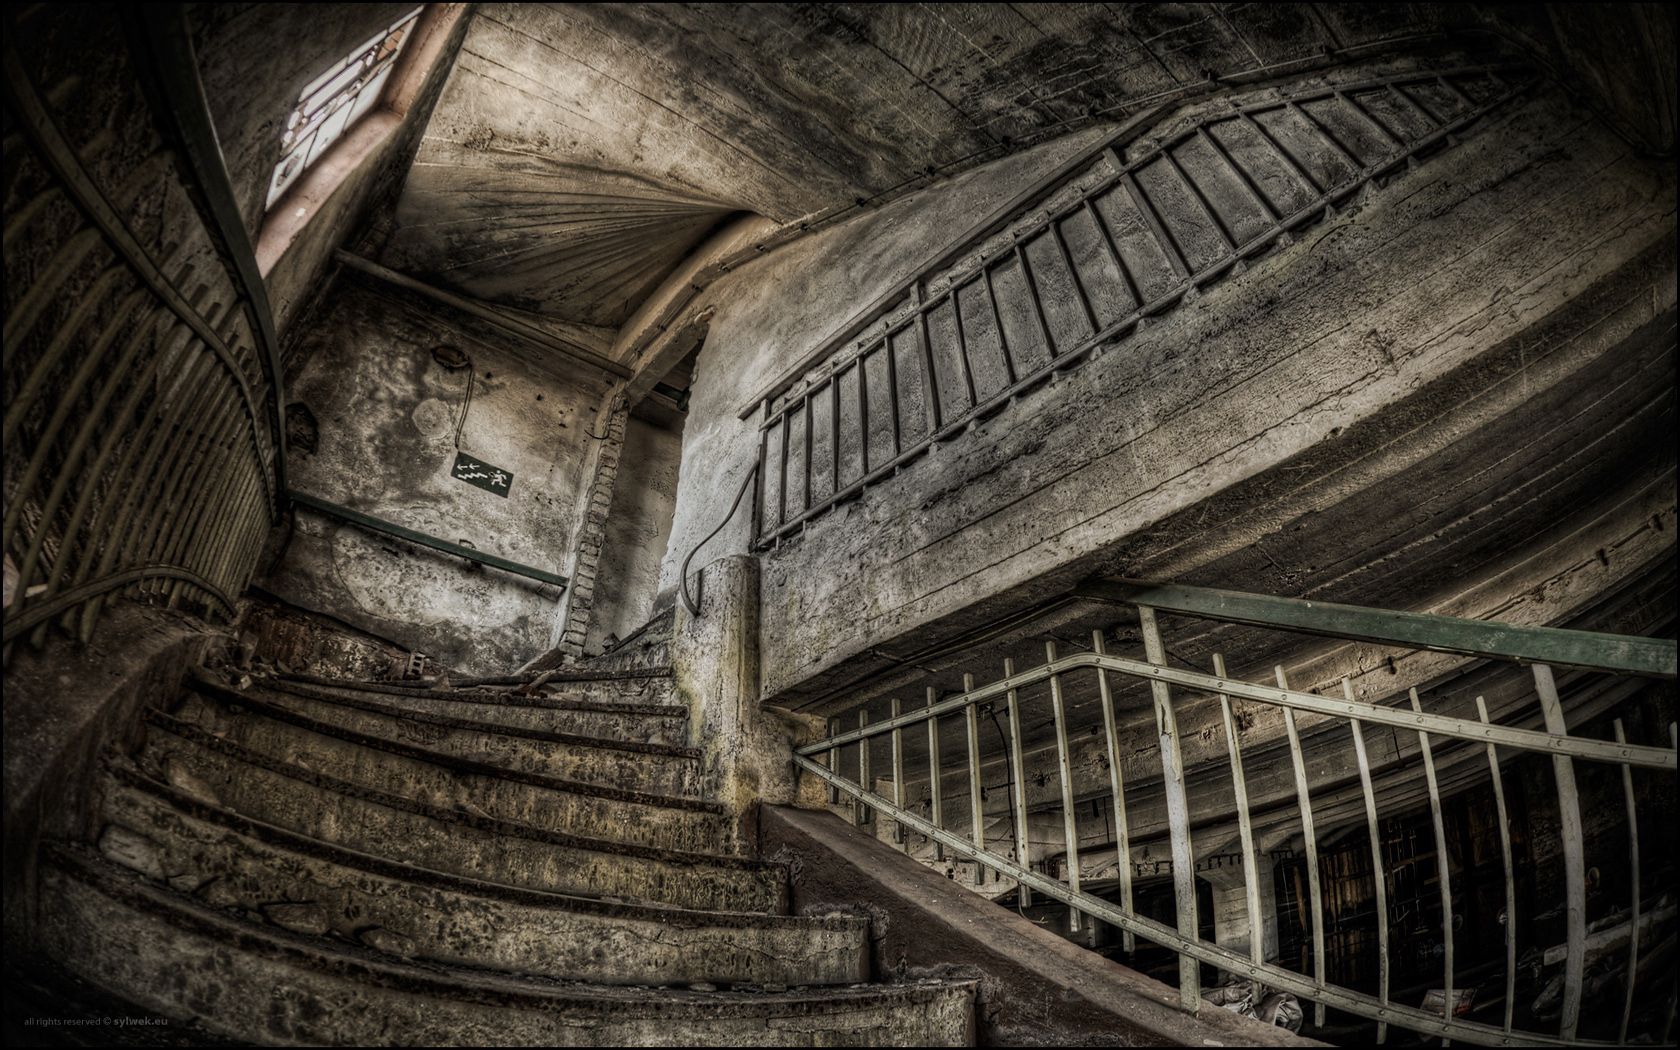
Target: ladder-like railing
[(1146, 221), (1461, 743)]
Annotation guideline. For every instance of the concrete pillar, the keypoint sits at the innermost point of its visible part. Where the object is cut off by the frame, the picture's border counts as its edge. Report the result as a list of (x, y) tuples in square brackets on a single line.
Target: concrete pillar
[(714, 656), (1230, 909)]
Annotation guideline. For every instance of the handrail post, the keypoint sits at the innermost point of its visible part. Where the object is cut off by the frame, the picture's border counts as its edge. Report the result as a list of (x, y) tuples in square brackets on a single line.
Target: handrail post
[(1178, 815), (1574, 857)]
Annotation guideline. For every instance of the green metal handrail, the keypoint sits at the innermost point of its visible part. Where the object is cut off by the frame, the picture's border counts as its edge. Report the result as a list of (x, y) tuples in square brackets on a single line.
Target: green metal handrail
[(402, 532), (1437, 733), (1591, 650)]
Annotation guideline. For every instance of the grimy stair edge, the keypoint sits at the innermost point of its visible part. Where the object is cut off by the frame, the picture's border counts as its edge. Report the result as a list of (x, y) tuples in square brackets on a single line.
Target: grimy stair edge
[(711, 880), (226, 859), (150, 944)]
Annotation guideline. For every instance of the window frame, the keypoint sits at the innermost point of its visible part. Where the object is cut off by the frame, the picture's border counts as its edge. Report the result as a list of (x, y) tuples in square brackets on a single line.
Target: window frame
[(335, 101)]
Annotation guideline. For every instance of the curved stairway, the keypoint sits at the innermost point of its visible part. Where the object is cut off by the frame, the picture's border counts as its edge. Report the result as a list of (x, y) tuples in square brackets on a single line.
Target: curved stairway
[(304, 861)]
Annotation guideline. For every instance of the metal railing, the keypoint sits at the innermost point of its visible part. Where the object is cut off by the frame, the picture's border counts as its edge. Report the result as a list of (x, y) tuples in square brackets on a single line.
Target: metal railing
[(141, 444), (1453, 750), (424, 539), (1117, 241)]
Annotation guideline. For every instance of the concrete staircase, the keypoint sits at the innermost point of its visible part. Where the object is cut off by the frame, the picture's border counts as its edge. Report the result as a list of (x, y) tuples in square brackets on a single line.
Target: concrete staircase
[(305, 861)]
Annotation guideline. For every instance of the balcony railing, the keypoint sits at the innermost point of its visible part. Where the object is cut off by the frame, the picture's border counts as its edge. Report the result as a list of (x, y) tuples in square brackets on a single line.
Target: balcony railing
[(1454, 747), (1093, 254)]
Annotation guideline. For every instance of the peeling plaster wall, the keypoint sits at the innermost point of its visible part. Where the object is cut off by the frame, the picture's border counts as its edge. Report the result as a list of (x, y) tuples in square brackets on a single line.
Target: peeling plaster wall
[(386, 413)]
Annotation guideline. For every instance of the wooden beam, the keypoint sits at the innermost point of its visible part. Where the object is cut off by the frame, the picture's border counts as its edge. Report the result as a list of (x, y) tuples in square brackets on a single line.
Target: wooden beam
[(511, 325)]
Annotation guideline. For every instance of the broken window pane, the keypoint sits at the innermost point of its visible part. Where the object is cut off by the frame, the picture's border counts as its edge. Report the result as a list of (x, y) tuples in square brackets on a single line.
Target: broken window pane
[(335, 100)]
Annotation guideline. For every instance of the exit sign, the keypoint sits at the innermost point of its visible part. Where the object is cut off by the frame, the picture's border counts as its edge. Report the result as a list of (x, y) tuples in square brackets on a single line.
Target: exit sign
[(477, 472)]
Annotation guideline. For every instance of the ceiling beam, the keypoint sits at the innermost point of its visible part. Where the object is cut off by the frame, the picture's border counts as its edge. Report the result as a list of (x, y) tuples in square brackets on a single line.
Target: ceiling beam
[(511, 325)]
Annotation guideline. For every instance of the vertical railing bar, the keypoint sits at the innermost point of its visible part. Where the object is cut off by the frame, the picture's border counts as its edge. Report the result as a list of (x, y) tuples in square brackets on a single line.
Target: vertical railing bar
[(1178, 815), (1510, 875), (1309, 834), (1633, 871), (1114, 255), (976, 807), (1285, 155), (860, 809), (930, 386), (1242, 175), (898, 776), (997, 319), (833, 761), (1202, 202), (781, 486), (1018, 781), (1379, 876), (892, 392), (936, 791), (1064, 768), (759, 483), (834, 433), (1245, 826), (1117, 789), (810, 443), (1073, 275), (1574, 857), (1033, 297), (1674, 998), (1164, 236), (1441, 863), (962, 343), (863, 410)]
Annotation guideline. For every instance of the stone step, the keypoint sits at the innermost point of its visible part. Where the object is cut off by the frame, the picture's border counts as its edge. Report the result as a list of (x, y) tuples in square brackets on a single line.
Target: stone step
[(648, 685), (665, 769), (230, 861), (437, 778), (170, 954), (653, 722), (445, 837)]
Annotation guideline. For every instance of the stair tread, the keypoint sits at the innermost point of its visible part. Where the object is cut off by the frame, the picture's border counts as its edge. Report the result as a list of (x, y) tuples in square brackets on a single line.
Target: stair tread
[(240, 824), (486, 696), (271, 690), (454, 763), (497, 825), (316, 962)]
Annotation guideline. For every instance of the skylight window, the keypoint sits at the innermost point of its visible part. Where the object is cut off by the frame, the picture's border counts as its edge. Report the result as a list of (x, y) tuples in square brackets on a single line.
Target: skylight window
[(335, 100)]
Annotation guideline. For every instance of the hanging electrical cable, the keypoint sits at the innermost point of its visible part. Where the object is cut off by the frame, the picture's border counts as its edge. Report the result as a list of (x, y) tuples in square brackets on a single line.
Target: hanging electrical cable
[(453, 359)]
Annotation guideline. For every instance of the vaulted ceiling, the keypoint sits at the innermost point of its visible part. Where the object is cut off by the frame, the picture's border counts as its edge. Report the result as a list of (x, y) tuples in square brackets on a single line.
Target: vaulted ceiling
[(580, 151)]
